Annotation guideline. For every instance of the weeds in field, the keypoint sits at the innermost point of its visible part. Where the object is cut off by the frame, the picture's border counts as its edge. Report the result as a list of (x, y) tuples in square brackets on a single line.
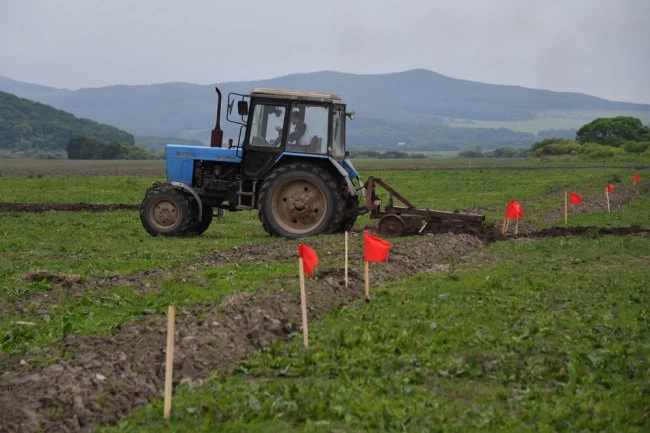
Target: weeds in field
[(552, 338), (543, 335)]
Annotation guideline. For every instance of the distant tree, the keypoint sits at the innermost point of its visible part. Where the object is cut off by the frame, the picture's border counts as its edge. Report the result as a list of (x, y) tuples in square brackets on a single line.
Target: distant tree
[(555, 146), (510, 152), (600, 151), (92, 148), (636, 147), (74, 147), (137, 152), (476, 153), (612, 131)]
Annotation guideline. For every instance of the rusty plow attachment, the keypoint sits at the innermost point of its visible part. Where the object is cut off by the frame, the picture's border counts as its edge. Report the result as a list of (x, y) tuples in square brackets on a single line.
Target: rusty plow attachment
[(406, 219)]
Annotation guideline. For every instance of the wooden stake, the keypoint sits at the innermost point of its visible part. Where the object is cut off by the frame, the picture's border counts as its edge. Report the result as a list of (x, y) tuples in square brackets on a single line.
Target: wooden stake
[(303, 304), (503, 229), (365, 275), (607, 197), (169, 366), (566, 205), (516, 226), (346, 260)]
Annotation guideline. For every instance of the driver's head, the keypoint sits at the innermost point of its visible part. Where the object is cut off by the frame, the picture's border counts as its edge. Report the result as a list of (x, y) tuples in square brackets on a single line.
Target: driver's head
[(295, 117)]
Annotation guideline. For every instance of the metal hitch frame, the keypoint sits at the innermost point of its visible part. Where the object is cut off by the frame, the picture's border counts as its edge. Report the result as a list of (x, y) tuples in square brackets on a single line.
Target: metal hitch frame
[(408, 219)]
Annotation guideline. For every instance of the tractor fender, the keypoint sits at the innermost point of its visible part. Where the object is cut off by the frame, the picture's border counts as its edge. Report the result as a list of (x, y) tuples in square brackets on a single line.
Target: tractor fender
[(345, 175), (194, 194)]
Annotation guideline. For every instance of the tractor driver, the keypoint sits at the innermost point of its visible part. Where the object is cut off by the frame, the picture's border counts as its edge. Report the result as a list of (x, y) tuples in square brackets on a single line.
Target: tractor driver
[(300, 134)]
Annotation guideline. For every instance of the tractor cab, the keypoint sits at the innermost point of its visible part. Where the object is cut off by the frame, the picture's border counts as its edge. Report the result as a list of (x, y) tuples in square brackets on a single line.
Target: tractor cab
[(286, 123)]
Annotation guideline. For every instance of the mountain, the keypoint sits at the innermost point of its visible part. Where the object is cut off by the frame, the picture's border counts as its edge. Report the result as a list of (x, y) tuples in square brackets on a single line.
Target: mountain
[(424, 109), (38, 129)]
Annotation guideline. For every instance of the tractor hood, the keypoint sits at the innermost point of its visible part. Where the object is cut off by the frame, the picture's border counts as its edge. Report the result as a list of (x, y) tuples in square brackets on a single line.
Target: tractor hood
[(180, 159)]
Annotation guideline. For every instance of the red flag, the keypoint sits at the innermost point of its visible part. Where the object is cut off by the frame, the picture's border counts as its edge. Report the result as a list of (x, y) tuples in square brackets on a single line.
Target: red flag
[(575, 198), (636, 178), (309, 258), (374, 248), (610, 187), (514, 211)]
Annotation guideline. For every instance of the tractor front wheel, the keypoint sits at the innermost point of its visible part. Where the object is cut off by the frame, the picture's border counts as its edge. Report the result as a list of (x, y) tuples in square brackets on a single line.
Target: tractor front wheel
[(197, 228), (165, 211), (298, 200)]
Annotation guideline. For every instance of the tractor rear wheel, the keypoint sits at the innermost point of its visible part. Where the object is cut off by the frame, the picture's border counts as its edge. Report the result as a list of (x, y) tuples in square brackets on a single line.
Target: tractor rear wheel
[(351, 204), (165, 211), (300, 199)]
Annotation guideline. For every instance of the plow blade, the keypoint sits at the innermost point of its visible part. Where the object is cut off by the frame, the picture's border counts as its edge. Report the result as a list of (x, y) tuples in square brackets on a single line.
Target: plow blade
[(407, 219)]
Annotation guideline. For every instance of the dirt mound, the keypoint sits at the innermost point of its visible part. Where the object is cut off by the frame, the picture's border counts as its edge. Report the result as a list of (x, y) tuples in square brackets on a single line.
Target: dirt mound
[(97, 380), (589, 231)]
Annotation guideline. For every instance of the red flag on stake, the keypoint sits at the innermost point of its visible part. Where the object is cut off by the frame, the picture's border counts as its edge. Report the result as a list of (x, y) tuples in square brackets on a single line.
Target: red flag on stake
[(575, 198), (309, 259), (635, 179), (374, 248), (609, 189), (514, 211)]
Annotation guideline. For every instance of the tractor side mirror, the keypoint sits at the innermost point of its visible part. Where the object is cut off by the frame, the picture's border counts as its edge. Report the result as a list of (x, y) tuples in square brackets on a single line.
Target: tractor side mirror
[(351, 115), (242, 108)]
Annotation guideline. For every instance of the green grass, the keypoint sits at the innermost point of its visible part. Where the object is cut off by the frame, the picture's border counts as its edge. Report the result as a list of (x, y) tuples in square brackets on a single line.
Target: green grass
[(547, 335), (88, 246), (97, 245), (97, 189), (34, 166), (543, 335)]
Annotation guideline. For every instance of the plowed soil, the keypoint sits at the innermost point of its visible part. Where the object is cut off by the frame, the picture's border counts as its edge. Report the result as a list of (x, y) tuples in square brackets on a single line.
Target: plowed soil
[(99, 379)]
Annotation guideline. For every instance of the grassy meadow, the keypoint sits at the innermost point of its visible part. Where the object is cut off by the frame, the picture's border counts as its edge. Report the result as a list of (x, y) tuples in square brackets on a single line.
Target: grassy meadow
[(537, 335)]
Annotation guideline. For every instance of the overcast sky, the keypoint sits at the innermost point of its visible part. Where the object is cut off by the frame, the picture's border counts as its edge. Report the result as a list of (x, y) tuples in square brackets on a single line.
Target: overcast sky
[(598, 47)]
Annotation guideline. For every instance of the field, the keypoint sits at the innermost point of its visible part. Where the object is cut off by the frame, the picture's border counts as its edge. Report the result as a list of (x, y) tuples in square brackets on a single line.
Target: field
[(546, 330)]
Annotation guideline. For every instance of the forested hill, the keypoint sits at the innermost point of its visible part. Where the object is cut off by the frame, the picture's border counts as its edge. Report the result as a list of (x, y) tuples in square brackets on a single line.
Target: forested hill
[(424, 109), (31, 127)]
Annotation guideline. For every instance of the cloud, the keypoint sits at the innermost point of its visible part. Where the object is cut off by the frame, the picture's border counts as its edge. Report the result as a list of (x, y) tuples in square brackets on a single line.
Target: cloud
[(591, 46)]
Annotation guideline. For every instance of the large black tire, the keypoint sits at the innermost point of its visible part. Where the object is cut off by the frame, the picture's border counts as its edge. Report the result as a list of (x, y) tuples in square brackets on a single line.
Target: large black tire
[(300, 199), (166, 211), (351, 204), (199, 227)]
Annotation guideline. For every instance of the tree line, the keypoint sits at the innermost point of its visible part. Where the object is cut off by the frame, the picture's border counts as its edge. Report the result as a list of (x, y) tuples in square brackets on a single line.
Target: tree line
[(93, 148), (602, 138), (32, 129)]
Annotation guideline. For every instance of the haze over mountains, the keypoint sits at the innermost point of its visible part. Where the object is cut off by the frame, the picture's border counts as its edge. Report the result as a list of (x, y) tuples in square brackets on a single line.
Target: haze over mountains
[(423, 109)]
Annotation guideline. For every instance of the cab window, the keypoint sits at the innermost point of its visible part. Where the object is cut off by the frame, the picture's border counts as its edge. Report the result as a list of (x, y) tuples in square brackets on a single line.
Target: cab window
[(266, 125)]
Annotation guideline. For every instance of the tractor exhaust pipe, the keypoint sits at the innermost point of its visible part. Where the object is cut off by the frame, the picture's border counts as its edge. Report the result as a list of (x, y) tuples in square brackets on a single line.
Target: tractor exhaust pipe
[(216, 138)]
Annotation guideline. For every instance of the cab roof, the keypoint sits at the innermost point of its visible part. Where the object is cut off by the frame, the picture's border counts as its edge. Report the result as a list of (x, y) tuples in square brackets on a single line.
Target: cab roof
[(297, 95)]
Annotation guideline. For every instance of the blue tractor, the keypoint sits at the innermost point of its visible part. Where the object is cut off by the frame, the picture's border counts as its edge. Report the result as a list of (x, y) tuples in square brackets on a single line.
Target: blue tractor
[(289, 164)]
